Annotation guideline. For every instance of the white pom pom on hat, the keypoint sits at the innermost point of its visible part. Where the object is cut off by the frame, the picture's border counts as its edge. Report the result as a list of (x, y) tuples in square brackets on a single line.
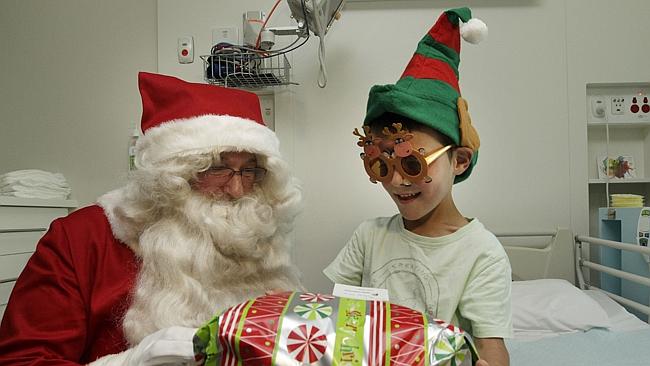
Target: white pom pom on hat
[(474, 31)]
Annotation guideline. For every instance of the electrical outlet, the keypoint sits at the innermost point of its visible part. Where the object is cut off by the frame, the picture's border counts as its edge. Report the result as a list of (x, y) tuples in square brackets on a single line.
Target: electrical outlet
[(598, 107), (267, 104), (617, 105), (225, 35)]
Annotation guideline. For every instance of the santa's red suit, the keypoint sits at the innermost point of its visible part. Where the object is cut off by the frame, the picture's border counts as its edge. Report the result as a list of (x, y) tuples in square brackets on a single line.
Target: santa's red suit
[(74, 291)]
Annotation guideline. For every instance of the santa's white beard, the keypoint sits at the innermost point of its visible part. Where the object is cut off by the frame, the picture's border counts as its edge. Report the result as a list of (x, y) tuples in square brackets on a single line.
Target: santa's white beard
[(207, 257)]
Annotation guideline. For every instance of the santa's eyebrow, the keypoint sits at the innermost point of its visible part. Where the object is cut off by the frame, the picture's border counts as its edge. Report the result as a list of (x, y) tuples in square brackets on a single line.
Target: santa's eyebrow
[(252, 160)]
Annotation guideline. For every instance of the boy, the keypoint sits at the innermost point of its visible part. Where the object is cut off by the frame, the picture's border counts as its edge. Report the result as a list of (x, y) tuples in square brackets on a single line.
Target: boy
[(418, 141)]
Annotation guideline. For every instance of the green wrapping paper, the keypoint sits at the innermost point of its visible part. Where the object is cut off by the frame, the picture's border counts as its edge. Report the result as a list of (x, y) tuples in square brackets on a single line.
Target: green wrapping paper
[(294, 328)]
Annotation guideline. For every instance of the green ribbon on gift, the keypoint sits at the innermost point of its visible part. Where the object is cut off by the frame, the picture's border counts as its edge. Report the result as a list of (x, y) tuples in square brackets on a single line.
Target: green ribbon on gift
[(348, 347)]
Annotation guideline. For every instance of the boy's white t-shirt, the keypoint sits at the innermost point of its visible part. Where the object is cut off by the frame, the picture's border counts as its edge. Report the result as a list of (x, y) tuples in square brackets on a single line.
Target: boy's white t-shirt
[(463, 278)]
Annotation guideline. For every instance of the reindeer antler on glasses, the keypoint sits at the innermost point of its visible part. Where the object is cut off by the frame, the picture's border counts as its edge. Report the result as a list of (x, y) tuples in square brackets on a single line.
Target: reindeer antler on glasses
[(368, 142)]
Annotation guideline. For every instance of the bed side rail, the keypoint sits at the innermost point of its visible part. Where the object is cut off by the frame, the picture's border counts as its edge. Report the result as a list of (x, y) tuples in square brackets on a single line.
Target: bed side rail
[(582, 263)]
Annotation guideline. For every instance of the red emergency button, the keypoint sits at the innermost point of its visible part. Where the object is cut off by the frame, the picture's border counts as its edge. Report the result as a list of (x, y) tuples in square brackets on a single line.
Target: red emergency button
[(184, 52), (634, 108), (645, 108)]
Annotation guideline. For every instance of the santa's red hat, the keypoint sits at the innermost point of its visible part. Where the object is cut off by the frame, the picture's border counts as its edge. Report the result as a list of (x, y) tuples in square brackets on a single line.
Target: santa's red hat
[(182, 118)]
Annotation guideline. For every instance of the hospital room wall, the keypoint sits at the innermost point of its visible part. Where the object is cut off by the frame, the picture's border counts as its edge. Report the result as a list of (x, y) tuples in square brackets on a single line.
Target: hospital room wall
[(525, 86), (68, 87), (606, 43), (515, 82)]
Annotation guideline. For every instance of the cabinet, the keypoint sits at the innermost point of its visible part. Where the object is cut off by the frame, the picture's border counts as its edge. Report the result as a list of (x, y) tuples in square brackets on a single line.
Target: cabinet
[(618, 125), (23, 221)]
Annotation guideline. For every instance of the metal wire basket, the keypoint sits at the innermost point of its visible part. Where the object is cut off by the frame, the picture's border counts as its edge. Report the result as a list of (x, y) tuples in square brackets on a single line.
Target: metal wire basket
[(246, 69)]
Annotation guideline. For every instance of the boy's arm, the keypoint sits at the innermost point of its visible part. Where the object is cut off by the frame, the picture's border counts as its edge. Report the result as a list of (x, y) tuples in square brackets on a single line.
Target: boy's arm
[(347, 267), (486, 305), (493, 352)]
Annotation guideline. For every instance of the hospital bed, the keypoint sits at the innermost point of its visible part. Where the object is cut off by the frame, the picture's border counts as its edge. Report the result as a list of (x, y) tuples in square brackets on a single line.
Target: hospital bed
[(561, 319)]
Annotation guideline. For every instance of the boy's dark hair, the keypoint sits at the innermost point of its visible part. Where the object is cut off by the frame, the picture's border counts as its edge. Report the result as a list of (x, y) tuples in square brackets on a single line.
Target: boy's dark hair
[(387, 120)]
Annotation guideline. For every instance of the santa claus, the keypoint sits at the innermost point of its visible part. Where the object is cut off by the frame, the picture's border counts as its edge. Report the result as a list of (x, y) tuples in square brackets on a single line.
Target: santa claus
[(202, 224)]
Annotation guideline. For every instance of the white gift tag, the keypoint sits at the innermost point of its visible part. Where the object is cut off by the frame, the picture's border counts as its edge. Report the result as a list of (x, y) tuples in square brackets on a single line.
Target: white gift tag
[(360, 293)]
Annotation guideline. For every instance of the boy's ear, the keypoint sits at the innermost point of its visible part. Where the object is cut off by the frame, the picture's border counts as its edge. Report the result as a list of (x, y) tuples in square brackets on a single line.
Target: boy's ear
[(462, 159)]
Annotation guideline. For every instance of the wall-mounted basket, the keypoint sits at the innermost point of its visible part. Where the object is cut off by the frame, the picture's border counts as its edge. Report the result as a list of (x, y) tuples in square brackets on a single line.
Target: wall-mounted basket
[(238, 69)]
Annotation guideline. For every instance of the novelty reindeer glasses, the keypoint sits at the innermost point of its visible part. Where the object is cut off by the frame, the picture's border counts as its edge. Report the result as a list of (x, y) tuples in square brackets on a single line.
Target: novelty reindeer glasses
[(411, 164)]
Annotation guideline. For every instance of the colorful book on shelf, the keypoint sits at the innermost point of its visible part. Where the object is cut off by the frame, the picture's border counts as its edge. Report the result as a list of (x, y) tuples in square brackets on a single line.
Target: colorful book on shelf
[(620, 167)]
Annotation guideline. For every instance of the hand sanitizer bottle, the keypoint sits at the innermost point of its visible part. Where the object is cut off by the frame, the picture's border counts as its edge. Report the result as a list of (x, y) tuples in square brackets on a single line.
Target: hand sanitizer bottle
[(132, 141)]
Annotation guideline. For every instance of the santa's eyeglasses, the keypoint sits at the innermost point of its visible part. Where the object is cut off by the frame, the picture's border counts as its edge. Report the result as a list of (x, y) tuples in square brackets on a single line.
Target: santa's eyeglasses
[(223, 175), (410, 163)]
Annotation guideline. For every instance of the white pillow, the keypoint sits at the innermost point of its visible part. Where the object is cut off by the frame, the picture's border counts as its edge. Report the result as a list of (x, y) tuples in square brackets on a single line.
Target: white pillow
[(553, 306)]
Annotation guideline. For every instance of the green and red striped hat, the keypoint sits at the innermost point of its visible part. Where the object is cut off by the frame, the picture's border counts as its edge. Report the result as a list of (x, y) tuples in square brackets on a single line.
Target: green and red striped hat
[(428, 91)]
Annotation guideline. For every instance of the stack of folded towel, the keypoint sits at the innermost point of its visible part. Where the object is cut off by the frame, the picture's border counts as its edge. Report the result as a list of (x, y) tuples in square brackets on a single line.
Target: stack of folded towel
[(33, 183)]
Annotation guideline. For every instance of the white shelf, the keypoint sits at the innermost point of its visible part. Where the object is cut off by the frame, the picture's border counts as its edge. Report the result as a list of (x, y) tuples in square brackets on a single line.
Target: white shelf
[(639, 124), (620, 181), (36, 202)]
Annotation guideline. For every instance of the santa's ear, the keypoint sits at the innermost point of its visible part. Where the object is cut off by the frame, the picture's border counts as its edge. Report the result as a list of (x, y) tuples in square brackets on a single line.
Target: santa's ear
[(462, 159)]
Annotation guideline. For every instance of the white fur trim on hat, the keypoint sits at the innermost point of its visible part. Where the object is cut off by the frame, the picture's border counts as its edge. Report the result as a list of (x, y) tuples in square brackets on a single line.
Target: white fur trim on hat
[(474, 31), (208, 132)]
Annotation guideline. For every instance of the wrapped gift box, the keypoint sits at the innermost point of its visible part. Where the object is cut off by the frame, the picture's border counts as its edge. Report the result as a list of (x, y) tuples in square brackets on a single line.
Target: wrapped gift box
[(294, 328)]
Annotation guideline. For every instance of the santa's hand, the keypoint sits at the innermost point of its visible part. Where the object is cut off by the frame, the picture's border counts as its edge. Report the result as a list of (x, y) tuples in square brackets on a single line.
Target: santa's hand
[(275, 291), (167, 346), (171, 345)]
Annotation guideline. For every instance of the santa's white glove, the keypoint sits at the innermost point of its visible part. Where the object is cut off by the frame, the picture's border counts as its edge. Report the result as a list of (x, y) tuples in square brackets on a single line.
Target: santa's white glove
[(169, 346)]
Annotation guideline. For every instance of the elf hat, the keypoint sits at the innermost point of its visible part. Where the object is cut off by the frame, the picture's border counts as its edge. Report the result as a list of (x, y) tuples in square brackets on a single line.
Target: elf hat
[(182, 118), (428, 91)]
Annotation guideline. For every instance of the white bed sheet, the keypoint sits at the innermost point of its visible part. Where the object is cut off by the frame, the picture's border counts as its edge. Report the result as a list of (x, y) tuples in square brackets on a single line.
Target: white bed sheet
[(624, 344), (596, 347), (620, 319)]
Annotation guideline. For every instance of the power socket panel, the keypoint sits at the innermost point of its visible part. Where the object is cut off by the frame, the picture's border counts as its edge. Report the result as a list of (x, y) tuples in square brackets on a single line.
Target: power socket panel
[(618, 105)]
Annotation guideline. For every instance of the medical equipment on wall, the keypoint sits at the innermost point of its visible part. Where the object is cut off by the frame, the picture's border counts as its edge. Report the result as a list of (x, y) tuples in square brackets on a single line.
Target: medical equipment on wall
[(255, 63), (643, 230)]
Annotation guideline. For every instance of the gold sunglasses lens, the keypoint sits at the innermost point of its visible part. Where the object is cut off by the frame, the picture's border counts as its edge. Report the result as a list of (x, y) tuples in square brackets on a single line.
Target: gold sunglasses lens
[(379, 168), (411, 165)]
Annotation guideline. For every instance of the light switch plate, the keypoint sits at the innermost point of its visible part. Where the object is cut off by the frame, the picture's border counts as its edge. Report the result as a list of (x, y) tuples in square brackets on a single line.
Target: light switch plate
[(225, 35)]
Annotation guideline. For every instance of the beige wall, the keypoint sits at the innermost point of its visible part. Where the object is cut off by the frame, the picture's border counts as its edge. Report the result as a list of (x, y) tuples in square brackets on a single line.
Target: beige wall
[(69, 99), (606, 43), (68, 94)]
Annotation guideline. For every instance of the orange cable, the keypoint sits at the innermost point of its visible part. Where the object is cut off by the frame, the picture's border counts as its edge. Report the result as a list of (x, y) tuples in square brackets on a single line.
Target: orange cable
[(259, 35)]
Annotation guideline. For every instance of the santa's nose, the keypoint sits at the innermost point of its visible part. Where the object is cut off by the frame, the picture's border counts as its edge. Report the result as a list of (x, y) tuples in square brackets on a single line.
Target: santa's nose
[(235, 188)]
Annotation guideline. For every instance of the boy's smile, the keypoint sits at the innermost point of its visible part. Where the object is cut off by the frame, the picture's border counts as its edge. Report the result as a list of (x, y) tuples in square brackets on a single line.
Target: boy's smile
[(405, 198)]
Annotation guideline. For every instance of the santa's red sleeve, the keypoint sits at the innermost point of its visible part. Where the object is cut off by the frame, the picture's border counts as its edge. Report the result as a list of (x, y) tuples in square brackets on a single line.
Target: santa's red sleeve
[(67, 305)]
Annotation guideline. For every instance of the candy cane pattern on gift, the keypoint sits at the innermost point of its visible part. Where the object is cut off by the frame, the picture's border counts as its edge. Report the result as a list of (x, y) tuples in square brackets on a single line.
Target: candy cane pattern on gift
[(377, 331), (315, 297), (228, 326), (306, 343)]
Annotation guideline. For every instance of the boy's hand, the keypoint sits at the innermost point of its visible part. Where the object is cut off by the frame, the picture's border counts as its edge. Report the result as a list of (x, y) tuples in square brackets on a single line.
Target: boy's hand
[(492, 350)]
